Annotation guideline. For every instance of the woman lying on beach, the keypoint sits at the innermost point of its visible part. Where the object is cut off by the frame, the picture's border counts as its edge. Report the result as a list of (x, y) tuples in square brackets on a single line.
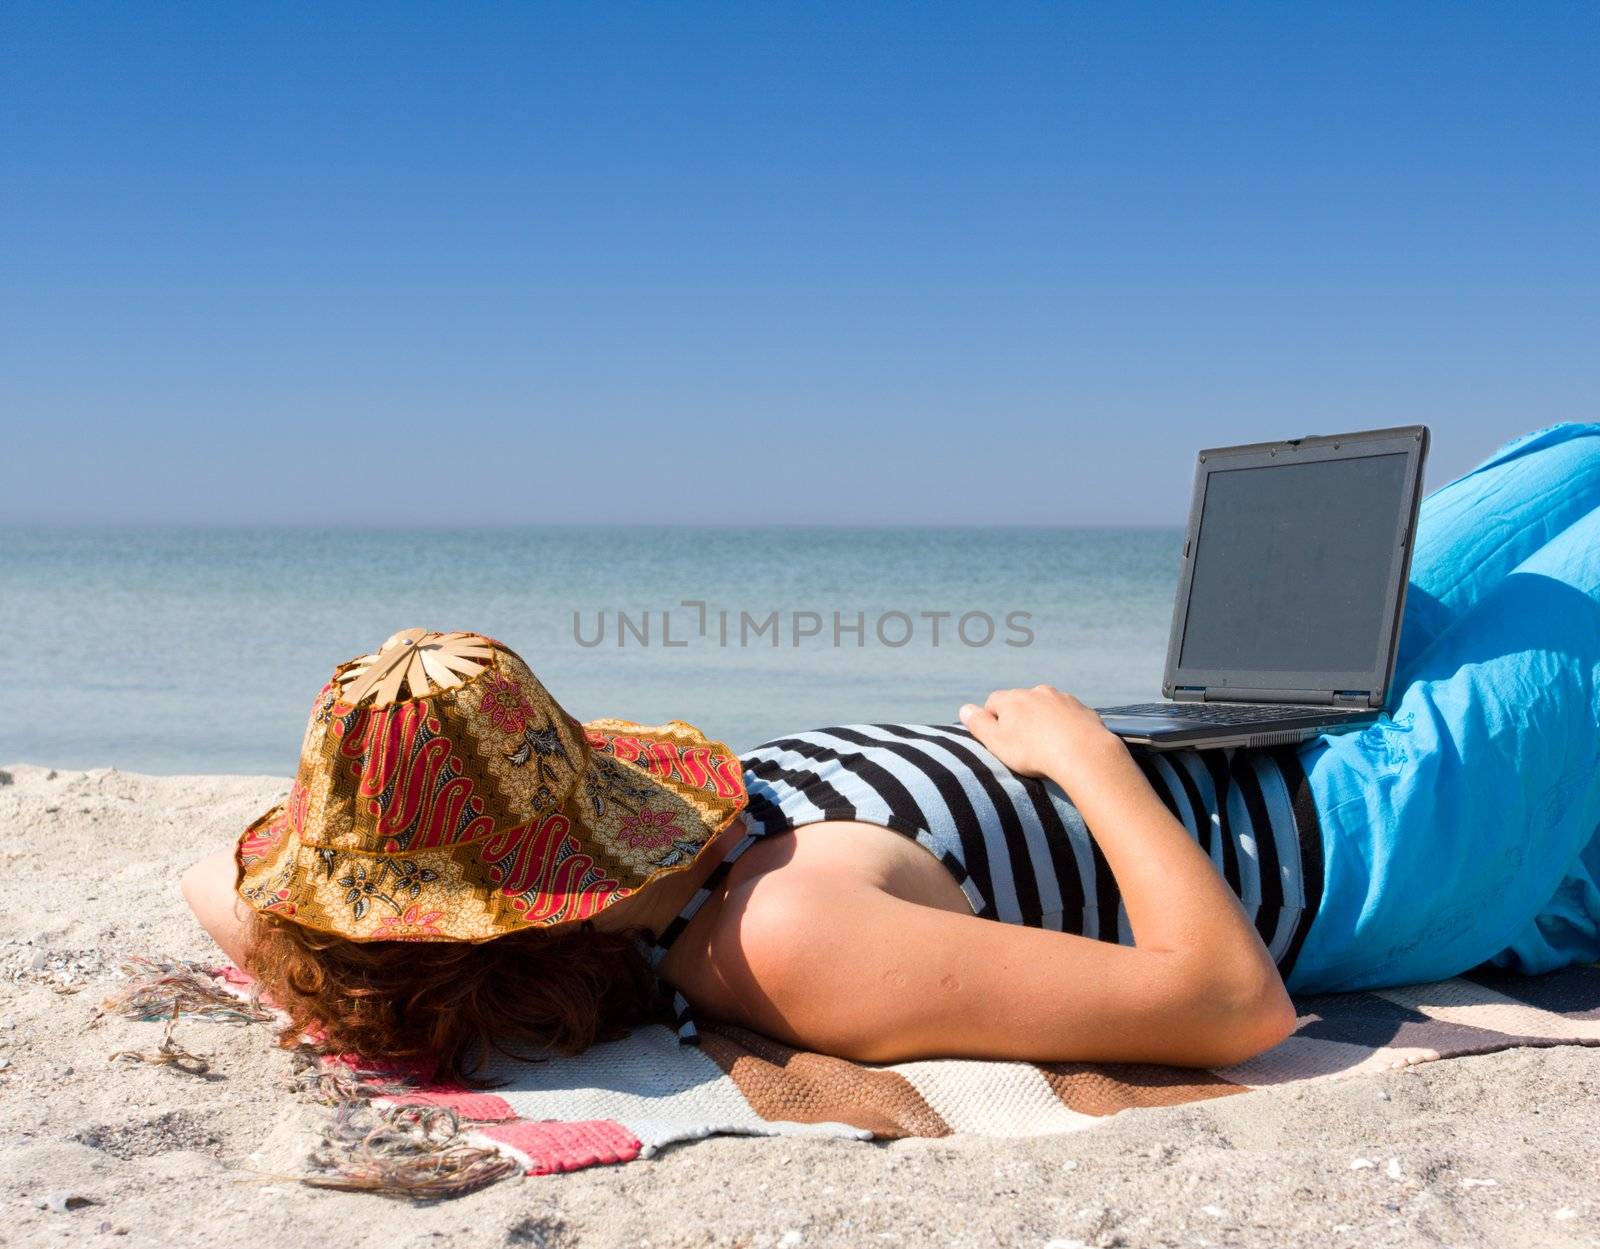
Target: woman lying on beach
[(460, 863)]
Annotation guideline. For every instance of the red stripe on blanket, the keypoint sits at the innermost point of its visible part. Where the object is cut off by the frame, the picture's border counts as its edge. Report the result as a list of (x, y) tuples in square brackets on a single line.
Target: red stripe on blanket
[(551, 1146)]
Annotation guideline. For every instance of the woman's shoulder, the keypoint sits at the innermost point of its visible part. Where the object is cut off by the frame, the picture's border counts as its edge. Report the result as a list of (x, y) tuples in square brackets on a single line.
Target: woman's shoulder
[(849, 853), (796, 884), (789, 937), (840, 850)]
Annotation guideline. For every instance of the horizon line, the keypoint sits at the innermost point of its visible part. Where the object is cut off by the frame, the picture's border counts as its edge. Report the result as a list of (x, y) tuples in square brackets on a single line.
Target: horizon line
[(504, 526)]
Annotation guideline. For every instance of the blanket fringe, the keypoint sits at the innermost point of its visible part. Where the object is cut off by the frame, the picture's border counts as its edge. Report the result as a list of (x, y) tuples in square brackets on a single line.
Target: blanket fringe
[(159, 987), (339, 1083), (418, 1152)]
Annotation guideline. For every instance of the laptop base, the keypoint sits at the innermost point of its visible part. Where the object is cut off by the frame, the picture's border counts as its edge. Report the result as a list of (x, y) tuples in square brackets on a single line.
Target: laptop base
[(1217, 725)]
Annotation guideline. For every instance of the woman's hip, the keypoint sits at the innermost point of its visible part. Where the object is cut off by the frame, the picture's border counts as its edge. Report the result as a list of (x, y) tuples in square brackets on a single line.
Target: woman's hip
[(1450, 825)]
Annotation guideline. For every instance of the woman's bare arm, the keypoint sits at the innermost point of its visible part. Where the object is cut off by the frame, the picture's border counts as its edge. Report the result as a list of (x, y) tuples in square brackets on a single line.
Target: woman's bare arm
[(856, 972), (827, 963), (208, 888), (1177, 902)]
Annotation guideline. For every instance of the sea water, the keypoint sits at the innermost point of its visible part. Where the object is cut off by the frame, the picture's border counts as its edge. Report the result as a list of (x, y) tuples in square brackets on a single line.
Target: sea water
[(200, 650)]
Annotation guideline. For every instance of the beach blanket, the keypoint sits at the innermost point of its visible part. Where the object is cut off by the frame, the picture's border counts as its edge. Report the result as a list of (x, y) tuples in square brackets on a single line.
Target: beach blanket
[(630, 1098)]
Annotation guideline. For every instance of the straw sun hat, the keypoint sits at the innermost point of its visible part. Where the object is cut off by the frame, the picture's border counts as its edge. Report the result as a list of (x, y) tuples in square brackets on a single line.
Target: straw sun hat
[(443, 795)]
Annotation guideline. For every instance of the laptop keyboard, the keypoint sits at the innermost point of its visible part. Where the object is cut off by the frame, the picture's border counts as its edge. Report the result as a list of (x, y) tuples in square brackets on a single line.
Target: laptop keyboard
[(1222, 713)]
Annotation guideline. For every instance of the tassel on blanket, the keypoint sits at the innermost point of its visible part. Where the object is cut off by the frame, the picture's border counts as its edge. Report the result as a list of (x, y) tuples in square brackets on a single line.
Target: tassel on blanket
[(158, 987), (406, 1151), (336, 1081), (399, 1151)]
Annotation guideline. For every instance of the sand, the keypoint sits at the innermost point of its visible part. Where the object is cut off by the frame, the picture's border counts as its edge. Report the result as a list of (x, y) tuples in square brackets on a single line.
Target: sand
[(1495, 1150)]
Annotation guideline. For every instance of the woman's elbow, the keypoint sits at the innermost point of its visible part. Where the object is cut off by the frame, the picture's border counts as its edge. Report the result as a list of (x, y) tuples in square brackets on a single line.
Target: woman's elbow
[(1250, 1019), (202, 886), (207, 887), (1228, 1016)]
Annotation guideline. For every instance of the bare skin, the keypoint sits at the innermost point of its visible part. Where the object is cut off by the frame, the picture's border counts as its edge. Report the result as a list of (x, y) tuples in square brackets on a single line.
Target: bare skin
[(851, 939)]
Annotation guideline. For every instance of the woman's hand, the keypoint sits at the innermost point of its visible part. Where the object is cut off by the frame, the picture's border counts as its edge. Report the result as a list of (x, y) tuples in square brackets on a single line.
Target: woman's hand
[(1041, 732)]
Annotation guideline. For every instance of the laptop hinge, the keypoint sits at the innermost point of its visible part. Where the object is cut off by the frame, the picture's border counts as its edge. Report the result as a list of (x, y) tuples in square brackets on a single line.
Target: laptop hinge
[(1230, 694)]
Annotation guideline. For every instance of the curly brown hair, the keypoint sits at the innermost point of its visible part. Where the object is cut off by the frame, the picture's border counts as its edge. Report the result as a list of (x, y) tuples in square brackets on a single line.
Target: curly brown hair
[(453, 1003)]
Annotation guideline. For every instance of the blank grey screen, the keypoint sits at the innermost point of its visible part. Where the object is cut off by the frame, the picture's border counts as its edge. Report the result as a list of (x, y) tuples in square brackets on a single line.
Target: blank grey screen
[(1291, 570)]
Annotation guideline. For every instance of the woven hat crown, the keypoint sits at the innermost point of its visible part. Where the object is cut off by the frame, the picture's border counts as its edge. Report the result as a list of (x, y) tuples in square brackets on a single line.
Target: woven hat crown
[(419, 707)]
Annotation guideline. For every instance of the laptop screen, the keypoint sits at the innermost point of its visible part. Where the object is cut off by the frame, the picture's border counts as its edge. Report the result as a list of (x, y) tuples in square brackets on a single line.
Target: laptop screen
[(1292, 566)]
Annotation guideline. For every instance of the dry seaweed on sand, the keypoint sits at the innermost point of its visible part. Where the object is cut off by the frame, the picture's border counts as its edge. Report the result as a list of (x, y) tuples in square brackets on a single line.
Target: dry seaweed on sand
[(404, 1151), (168, 1054), (157, 987), (418, 1152)]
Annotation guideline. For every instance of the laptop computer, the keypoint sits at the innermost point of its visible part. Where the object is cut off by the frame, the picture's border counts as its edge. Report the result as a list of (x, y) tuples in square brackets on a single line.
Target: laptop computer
[(1293, 579)]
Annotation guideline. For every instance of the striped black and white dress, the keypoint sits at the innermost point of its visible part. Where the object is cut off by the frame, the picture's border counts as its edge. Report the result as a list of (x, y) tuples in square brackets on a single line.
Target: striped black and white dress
[(1017, 846)]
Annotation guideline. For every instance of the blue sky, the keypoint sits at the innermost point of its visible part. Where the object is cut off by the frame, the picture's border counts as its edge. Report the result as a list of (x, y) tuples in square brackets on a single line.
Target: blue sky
[(1010, 263)]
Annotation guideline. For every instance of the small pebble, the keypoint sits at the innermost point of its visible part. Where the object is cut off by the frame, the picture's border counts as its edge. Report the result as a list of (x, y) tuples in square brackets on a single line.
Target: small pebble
[(1469, 1182), (1383, 1095), (1215, 1212), (62, 1200), (792, 1237), (1393, 1169), (1566, 1212), (1361, 1164)]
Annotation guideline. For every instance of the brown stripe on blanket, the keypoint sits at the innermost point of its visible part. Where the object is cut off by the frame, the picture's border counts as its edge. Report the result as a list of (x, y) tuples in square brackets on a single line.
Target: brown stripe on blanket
[(789, 1085), (1375, 1022), (1105, 1088), (1573, 992)]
